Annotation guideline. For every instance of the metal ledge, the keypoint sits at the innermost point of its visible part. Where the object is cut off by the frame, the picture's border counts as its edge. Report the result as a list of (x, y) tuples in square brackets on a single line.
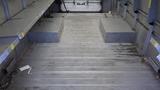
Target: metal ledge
[(7, 45)]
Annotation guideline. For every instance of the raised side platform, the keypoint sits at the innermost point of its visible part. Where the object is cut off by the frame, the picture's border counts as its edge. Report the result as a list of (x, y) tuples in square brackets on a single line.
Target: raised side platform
[(47, 31), (115, 30)]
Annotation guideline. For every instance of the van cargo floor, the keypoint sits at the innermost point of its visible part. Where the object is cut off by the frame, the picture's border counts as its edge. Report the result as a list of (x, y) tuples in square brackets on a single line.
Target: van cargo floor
[(82, 61)]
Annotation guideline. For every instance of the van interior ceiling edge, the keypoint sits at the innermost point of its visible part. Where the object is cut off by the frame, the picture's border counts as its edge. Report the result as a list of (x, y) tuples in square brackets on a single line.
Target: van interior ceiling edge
[(79, 44)]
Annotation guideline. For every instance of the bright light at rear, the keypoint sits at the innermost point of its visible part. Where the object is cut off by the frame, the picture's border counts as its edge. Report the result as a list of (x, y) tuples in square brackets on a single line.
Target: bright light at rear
[(82, 5)]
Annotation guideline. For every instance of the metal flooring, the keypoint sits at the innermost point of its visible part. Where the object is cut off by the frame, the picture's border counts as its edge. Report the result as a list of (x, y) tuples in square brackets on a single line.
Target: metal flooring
[(82, 61)]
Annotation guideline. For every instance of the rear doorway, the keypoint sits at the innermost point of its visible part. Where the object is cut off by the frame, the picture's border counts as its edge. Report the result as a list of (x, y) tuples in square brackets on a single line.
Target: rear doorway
[(81, 5)]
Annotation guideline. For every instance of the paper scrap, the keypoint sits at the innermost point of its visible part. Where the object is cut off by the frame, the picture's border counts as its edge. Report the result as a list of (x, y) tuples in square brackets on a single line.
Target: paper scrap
[(26, 67)]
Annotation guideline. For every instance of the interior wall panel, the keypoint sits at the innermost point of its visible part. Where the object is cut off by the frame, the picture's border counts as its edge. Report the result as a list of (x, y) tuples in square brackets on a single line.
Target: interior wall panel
[(2, 17), (143, 25), (159, 11), (15, 6), (144, 5), (106, 5), (28, 2)]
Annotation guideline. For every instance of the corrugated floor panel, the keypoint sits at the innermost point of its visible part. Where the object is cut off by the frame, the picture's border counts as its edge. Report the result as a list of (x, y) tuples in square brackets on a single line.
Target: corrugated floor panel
[(82, 61)]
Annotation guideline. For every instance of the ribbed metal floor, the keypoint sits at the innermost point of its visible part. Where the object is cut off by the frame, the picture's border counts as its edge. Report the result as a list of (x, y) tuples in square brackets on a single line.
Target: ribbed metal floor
[(82, 61)]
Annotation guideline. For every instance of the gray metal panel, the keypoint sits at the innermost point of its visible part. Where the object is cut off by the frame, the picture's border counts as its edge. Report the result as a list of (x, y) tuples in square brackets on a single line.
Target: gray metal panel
[(130, 9), (143, 19), (28, 2), (15, 6), (2, 17), (106, 5), (131, 1), (159, 11), (141, 36), (129, 19), (144, 6)]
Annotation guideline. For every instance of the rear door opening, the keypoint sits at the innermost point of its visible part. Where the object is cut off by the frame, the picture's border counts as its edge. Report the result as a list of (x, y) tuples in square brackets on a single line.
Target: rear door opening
[(81, 5)]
